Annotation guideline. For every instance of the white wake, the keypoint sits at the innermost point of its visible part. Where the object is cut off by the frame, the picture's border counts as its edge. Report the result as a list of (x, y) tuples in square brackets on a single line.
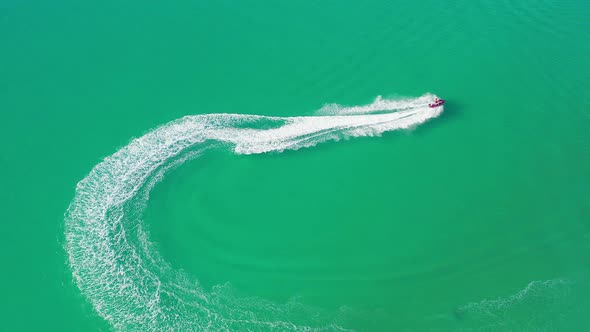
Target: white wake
[(122, 275)]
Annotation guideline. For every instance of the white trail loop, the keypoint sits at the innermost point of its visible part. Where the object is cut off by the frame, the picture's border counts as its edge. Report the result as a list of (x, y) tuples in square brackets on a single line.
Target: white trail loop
[(122, 275)]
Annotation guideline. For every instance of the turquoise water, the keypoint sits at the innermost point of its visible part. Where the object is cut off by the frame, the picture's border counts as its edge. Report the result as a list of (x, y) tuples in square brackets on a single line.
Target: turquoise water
[(475, 220)]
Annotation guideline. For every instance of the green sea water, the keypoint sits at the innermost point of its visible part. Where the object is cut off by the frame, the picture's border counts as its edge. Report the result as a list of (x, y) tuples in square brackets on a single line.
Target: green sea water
[(477, 220)]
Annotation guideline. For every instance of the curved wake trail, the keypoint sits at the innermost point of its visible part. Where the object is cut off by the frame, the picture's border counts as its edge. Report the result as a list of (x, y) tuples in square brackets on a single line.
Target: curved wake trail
[(118, 269)]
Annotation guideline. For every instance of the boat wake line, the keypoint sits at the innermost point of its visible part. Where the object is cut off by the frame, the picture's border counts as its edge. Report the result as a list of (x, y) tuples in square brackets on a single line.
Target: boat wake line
[(121, 273)]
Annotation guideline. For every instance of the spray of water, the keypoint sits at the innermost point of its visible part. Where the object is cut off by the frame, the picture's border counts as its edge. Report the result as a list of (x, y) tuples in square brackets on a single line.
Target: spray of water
[(121, 273)]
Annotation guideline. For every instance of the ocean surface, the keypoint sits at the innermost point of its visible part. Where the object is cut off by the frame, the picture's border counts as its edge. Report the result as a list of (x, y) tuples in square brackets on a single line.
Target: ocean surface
[(274, 166)]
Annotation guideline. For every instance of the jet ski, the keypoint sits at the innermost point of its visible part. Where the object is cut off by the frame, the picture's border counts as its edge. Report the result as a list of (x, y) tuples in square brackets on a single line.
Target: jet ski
[(437, 102)]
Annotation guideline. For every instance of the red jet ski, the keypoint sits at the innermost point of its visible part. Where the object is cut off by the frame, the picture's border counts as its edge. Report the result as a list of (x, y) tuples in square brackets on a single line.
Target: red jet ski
[(437, 102)]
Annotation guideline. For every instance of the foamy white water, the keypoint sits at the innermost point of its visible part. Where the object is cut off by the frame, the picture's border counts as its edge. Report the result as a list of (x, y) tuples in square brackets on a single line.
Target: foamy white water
[(495, 312), (122, 275)]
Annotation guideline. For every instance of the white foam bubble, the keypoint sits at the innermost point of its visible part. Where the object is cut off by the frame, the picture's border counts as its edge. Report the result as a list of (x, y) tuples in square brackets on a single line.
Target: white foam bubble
[(539, 302), (119, 271), (379, 105), (535, 288)]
